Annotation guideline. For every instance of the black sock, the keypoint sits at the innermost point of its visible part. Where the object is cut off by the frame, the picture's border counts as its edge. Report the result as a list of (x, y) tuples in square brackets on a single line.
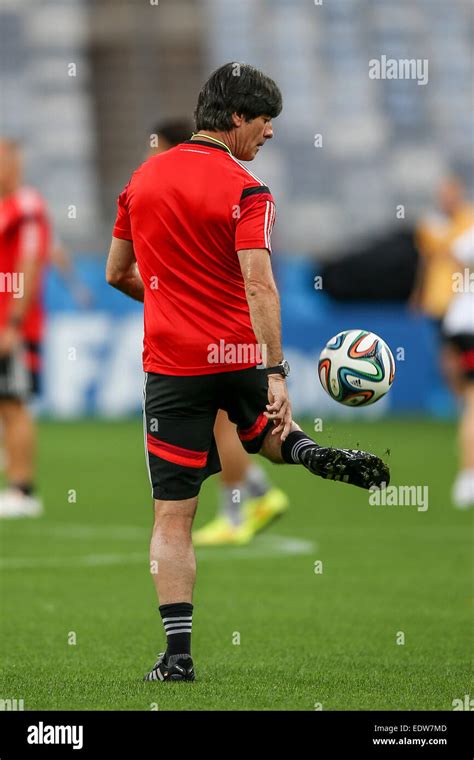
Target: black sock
[(295, 445), (25, 488), (178, 621)]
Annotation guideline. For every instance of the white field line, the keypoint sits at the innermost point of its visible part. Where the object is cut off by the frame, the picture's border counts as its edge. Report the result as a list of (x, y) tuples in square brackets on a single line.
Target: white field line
[(261, 547), (79, 531)]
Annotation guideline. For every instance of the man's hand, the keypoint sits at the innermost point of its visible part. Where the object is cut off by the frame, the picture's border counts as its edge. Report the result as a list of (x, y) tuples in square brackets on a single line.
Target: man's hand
[(279, 407), (10, 338)]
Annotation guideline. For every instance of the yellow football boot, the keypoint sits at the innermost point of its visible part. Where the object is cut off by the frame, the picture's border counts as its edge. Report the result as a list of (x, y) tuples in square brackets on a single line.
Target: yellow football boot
[(220, 532), (258, 513), (261, 511)]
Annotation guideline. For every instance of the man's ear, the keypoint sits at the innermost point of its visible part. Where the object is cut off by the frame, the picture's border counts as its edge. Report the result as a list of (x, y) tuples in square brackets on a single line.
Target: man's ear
[(238, 119)]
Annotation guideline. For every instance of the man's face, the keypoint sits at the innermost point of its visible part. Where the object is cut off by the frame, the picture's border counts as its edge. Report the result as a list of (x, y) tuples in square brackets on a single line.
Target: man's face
[(10, 167), (251, 136)]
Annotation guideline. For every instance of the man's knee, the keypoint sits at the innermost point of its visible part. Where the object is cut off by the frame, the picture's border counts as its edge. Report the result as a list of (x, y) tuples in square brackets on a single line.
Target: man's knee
[(10, 408), (175, 516)]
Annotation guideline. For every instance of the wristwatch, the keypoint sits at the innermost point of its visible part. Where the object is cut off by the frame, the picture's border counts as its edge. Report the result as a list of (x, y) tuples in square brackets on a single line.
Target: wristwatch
[(283, 369)]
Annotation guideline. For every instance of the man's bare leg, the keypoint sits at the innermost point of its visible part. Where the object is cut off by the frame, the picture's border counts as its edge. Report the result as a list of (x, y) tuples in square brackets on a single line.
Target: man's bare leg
[(242, 486), (234, 459), (271, 448), (172, 559), (463, 491), (19, 437), (466, 429), (173, 568)]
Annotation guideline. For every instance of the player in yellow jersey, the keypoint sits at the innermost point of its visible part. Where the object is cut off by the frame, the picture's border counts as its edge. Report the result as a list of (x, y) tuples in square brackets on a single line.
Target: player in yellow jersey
[(445, 293)]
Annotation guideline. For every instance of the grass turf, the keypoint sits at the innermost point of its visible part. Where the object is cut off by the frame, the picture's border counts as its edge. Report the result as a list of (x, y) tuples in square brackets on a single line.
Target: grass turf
[(307, 639)]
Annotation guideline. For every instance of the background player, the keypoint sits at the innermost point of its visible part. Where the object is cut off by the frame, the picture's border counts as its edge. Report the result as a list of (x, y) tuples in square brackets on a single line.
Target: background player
[(247, 500), (433, 292), (458, 331), (446, 245), (24, 244)]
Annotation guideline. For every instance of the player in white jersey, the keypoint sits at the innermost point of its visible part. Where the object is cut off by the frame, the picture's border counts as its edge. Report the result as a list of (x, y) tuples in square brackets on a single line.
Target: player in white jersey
[(458, 329)]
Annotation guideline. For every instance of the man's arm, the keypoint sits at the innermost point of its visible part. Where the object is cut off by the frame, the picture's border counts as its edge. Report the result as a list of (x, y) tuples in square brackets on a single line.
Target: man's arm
[(28, 270), (122, 271), (264, 307), (264, 302)]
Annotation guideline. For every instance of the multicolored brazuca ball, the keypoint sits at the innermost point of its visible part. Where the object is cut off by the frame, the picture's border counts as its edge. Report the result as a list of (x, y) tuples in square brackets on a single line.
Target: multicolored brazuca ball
[(356, 368)]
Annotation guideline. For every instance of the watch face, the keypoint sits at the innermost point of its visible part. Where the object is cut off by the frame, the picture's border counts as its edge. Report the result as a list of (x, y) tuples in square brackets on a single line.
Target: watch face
[(286, 367)]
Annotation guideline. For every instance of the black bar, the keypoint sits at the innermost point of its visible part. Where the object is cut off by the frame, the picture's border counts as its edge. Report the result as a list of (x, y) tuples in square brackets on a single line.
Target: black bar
[(309, 734)]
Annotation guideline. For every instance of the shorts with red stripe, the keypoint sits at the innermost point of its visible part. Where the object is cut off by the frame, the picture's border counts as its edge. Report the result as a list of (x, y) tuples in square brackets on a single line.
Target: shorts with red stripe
[(14, 376), (33, 364), (464, 343), (179, 416)]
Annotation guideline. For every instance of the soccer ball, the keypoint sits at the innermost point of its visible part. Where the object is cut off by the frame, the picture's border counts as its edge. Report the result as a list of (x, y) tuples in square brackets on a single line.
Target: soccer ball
[(356, 368)]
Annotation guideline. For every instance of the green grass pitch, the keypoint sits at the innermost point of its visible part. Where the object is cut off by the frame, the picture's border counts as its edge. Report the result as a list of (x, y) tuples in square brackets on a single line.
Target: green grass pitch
[(269, 631)]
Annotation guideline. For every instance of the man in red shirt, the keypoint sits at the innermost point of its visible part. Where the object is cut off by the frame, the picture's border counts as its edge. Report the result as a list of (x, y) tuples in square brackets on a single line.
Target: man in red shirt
[(193, 240), (24, 244), (248, 501)]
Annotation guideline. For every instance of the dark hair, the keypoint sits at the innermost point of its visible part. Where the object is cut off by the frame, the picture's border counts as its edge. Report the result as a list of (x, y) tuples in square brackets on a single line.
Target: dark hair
[(236, 88), (175, 131)]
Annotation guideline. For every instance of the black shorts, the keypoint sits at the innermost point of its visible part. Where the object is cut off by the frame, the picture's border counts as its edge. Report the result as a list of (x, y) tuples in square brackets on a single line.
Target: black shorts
[(14, 377), (33, 360), (179, 416), (464, 343)]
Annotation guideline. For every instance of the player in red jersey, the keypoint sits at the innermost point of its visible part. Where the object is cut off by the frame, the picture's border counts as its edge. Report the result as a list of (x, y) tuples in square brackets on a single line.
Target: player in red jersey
[(192, 240), (248, 502), (24, 244)]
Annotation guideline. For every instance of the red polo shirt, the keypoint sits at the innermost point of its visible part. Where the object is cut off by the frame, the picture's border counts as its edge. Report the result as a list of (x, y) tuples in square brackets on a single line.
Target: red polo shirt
[(188, 211)]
